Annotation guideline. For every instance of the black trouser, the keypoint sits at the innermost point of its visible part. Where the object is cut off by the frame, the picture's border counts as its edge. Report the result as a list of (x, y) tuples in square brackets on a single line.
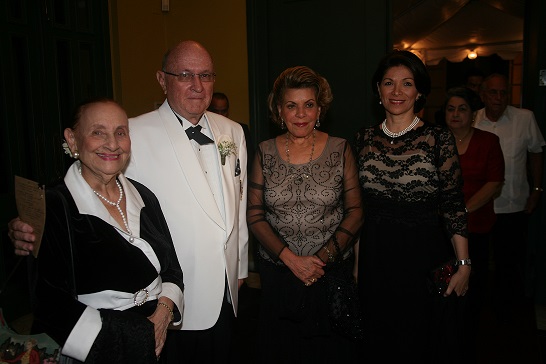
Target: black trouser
[(478, 247), (202, 346), (509, 237)]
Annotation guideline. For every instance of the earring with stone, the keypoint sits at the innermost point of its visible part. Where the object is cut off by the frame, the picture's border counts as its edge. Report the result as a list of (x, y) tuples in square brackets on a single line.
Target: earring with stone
[(317, 124), (282, 124)]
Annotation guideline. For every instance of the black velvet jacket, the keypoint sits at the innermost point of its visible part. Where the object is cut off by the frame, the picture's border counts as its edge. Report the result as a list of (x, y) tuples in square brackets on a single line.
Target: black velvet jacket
[(102, 260)]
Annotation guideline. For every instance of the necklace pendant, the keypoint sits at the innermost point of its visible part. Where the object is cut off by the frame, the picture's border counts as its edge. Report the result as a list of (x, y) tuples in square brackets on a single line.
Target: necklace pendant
[(392, 141)]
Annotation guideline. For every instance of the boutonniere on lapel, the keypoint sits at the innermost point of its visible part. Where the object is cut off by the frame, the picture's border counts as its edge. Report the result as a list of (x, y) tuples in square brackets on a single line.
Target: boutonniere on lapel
[(226, 146)]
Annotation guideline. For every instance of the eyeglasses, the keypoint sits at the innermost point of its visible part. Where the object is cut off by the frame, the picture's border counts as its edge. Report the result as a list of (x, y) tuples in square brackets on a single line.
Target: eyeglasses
[(188, 76), (501, 93)]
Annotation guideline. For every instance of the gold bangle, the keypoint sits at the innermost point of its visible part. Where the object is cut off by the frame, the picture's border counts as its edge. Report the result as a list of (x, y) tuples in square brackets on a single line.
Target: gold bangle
[(329, 253), (168, 308)]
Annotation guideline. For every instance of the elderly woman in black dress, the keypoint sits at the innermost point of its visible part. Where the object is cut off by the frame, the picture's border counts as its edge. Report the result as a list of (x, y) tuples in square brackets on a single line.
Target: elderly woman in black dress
[(108, 280)]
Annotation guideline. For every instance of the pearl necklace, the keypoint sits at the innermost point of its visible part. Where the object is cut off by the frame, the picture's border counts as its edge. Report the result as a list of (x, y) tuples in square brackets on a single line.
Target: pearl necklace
[(116, 204), (306, 167), (392, 135)]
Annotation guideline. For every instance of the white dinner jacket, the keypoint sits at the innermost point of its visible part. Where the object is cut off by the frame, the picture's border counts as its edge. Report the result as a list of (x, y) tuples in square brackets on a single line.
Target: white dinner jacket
[(207, 247)]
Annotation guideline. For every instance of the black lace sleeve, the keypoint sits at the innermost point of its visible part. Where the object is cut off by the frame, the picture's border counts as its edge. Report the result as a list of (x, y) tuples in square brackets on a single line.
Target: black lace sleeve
[(451, 200), (256, 209), (346, 233)]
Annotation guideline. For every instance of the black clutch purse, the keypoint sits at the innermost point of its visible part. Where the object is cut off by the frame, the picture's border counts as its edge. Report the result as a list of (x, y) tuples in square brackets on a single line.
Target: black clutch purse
[(440, 277), (343, 301)]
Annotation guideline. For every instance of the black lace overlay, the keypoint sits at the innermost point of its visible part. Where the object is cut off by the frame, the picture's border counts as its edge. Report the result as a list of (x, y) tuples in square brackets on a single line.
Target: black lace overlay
[(413, 179)]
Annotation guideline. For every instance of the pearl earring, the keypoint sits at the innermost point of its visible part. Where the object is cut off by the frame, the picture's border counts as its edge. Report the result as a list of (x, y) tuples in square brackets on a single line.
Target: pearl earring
[(76, 155)]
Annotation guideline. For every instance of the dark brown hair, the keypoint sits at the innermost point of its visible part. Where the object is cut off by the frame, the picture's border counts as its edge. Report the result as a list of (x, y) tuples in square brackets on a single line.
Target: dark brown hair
[(416, 67)]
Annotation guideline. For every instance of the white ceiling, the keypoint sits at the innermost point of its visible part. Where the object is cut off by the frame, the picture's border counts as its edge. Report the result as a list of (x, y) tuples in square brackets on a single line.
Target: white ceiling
[(437, 29)]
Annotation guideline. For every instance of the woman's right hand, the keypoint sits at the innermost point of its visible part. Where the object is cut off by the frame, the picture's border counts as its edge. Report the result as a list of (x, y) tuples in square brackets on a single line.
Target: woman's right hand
[(21, 236), (161, 318), (308, 269)]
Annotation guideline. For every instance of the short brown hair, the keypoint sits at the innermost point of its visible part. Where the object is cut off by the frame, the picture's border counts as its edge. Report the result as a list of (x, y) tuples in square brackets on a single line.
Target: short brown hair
[(296, 78)]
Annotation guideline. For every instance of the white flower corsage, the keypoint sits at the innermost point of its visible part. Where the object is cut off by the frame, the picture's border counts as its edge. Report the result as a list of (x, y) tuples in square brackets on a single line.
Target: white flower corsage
[(66, 149), (226, 146)]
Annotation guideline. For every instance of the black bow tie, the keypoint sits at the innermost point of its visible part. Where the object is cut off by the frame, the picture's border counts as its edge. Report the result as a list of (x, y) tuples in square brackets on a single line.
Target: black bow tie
[(195, 134)]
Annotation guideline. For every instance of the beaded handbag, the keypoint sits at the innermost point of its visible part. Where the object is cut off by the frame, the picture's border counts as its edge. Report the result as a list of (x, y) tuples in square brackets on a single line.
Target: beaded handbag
[(343, 302), (441, 276)]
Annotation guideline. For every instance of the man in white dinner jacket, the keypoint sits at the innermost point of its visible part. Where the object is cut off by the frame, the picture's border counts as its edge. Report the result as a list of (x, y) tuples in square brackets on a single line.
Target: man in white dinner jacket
[(203, 199)]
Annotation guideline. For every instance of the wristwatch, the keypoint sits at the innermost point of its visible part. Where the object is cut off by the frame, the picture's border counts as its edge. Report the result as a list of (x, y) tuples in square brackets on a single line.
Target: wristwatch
[(463, 262)]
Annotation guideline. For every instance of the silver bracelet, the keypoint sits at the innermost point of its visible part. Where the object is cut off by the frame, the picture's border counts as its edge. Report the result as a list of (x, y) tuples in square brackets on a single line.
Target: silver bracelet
[(463, 262)]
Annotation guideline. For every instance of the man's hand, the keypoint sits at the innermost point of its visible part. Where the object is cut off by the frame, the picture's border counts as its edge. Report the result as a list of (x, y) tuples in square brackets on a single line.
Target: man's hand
[(532, 202), (22, 236)]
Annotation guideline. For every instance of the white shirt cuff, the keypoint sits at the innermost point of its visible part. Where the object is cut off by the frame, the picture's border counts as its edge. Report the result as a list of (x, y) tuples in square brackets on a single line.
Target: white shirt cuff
[(174, 293), (83, 335)]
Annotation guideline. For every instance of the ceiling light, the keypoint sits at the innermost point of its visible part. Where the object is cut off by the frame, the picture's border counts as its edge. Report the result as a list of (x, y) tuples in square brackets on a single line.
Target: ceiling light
[(472, 54)]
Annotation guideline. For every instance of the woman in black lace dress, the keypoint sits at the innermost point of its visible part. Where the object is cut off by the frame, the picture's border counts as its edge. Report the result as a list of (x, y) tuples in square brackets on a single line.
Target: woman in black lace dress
[(412, 192), (304, 207)]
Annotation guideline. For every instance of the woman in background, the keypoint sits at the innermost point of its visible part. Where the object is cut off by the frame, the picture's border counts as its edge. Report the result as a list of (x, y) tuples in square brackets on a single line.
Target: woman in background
[(482, 165)]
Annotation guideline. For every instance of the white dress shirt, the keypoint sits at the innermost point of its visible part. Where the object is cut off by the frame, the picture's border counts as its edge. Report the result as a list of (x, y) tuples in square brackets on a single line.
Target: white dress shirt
[(518, 132)]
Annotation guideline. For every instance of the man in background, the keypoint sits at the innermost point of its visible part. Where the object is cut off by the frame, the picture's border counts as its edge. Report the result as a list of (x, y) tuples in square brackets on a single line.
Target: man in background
[(473, 79), (521, 142), (220, 105)]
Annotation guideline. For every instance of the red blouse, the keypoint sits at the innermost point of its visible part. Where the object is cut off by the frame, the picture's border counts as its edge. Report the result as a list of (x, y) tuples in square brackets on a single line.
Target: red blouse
[(481, 163)]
